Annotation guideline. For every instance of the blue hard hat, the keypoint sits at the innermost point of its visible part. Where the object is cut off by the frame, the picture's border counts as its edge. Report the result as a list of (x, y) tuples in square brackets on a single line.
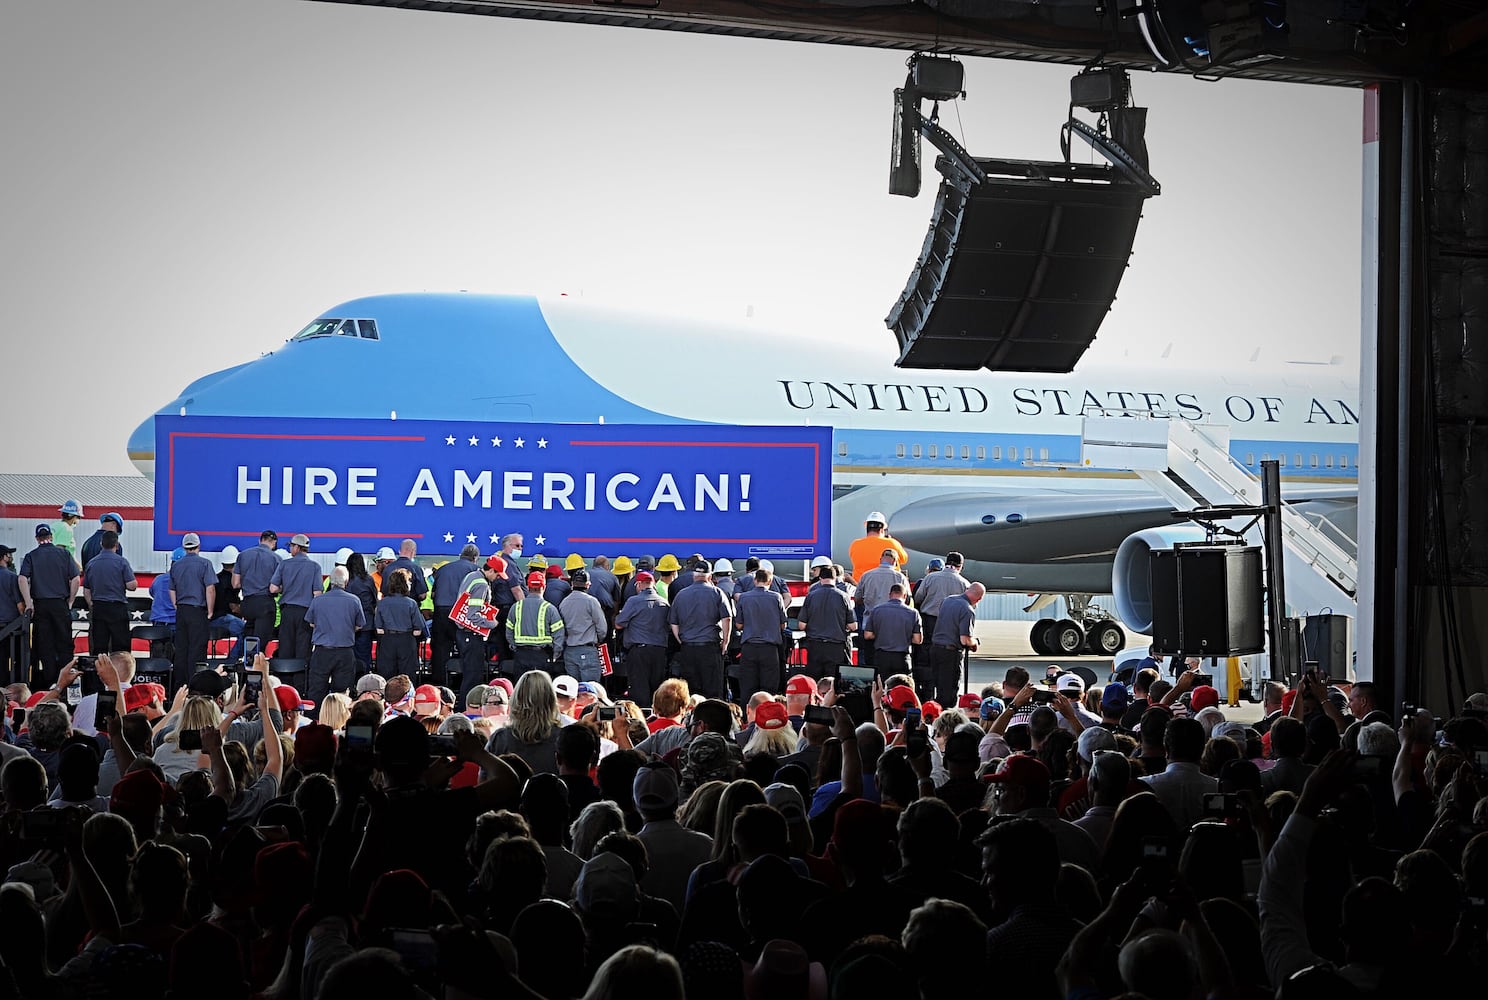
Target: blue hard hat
[(115, 517), (178, 554), (71, 508)]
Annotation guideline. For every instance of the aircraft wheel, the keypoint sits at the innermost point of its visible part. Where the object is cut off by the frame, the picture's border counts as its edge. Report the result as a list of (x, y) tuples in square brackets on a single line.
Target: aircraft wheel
[(1066, 638), (1037, 638), (1106, 639)]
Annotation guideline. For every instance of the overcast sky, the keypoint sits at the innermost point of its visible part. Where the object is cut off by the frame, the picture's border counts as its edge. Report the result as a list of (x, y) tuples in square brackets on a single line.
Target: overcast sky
[(187, 182)]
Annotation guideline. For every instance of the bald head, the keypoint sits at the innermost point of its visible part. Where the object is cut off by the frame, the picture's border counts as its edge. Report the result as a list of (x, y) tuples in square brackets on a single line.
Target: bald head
[(339, 577), (408, 549), (975, 593)]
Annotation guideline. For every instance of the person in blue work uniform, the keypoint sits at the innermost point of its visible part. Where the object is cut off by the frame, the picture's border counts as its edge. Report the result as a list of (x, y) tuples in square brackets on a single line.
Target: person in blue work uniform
[(419, 587), (628, 589), (400, 627), (894, 629), (955, 635), (359, 585), (687, 576), (555, 586), (229, 605), (762, 621), (944, 580), (106, 588), (193, 590), (296, 581), (604, 587), (162, 608), (49, 584), (643, 624), (333, 619), (94, 545), (15, 648), (703, 624), (584, 628), (252, 574), (443, 635), (827, 616)]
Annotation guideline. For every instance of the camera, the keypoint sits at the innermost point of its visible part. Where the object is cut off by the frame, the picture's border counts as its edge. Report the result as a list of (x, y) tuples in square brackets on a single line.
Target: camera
[(189, 739), (1042, 696), (821, 715), (606, 713), (86, 664)]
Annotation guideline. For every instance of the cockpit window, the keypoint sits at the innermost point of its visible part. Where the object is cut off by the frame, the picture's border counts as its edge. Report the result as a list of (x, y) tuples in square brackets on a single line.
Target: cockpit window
[(365, 329)]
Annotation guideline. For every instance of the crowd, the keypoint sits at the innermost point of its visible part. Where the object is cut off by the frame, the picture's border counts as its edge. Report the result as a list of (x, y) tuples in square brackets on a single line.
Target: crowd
[(734, 826)]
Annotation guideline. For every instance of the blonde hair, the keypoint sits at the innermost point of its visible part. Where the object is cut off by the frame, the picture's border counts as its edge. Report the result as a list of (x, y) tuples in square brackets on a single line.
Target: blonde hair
[(776, 742), (534, 707), (946, 722), (198, 713), (335, 709), (486, 727)]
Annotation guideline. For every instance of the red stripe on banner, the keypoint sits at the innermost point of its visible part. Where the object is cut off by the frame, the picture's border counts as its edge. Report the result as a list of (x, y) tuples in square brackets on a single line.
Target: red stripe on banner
[(42, 511)]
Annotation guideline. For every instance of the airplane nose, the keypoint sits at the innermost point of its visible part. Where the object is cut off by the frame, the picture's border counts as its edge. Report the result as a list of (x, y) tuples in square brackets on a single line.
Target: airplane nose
[(142, 447)]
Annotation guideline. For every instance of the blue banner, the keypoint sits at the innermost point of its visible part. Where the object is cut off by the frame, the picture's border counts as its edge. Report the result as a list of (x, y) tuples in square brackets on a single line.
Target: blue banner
[(590, 489)]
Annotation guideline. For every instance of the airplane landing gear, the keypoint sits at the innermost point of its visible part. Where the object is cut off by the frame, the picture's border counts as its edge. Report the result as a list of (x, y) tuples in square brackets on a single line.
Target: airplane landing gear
[(1088, 629)]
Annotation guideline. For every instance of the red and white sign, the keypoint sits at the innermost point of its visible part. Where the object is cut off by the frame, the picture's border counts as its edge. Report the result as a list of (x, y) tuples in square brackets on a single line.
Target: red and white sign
[(480, 620)]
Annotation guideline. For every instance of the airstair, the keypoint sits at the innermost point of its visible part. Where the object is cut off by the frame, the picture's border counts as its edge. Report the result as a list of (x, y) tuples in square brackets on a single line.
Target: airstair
[(1189, 465)]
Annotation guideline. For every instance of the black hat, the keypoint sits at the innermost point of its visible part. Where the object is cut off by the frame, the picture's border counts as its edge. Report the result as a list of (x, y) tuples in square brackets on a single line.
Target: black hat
[(5, 550)]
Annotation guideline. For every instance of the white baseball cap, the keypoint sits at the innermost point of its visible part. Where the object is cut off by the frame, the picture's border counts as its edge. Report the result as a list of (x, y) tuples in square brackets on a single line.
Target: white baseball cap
[(566, 686)]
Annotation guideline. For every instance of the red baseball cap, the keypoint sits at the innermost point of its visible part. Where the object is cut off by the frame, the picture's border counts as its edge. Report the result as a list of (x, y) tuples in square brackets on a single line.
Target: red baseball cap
[(426, 696), (969, 701), (554, 572), (290, 701), (35, 699), (902, 697), (536, 578), (930, 710), (138, 696), (771, 715), (1020, 769), (497, 563), (800, 684), (1204, 696)]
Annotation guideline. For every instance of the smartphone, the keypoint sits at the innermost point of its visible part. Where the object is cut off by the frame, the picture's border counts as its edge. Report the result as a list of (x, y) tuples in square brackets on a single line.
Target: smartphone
[(250, 649), (861, 676), (912, 717), (442, 746), (1221, 805), (189, 739), (108, 706), (821, 715), (204, 665), (917, 741), (86, 664), (42, 826), (1042, 697), (1201, 679), (418, 948), (273, 834), (606, 713), (17, 719), (359, 738), (253, 687)]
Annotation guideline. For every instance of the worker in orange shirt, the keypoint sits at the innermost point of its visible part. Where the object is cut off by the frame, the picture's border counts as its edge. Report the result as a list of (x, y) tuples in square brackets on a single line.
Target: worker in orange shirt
[(865, 553)]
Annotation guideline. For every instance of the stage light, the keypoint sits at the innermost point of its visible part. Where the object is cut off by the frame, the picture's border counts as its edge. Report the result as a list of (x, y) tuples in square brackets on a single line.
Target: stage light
[(1100, 89)]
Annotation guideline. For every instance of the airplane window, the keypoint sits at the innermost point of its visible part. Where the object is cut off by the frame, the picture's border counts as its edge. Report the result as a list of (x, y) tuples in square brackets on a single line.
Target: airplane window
[(898, 451), (918, 452), (842, 448), (965, 452), (1329, 459), (950, 451), (935, 451), (1314, 462), (318, 328), (1250, 458), (369, 329), (1297, 460), (1043, 454), (1281, 460), (981, 453), (1343, 461), (997, 453)]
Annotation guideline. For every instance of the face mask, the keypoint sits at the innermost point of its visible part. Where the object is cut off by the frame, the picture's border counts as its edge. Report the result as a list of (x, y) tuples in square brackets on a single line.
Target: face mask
[(517, 552)]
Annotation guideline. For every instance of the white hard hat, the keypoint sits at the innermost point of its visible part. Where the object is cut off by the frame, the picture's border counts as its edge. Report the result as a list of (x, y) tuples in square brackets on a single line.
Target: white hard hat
[(342, 555), (385, 553), (229, 555), (876, 516), (767, 566), (281, 553), (821, 561), (723, 566)]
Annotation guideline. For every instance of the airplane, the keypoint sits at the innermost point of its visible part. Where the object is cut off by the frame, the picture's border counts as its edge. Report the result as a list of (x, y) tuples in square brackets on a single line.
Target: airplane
[(983, 463)]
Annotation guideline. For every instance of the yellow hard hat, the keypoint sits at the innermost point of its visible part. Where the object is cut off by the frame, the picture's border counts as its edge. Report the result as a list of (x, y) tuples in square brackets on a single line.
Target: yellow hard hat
[(573, 562), (668, 564), (623, 565), (537, 562)]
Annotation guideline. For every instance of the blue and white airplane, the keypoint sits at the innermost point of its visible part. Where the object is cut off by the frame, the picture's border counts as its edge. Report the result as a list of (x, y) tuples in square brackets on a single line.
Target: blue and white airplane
[(987, 464)]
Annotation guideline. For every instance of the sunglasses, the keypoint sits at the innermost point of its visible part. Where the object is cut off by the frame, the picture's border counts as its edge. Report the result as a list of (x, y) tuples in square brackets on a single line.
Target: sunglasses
[(499, 701)]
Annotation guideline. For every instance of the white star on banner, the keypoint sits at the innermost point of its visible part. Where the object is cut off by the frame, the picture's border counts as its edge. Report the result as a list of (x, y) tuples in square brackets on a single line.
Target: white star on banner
[(474, 440), (519, 442), (448, 537), (470, 538), (542, 442), (496, 442), (450, 439), (494, 539), (540, 540)]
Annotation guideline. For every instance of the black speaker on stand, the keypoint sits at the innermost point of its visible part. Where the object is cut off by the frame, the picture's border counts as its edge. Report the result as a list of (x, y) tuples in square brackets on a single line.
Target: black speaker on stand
[(1206, 600)]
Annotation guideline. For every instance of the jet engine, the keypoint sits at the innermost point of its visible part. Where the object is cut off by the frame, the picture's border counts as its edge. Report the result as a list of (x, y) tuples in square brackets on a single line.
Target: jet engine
[(1131, 578)]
